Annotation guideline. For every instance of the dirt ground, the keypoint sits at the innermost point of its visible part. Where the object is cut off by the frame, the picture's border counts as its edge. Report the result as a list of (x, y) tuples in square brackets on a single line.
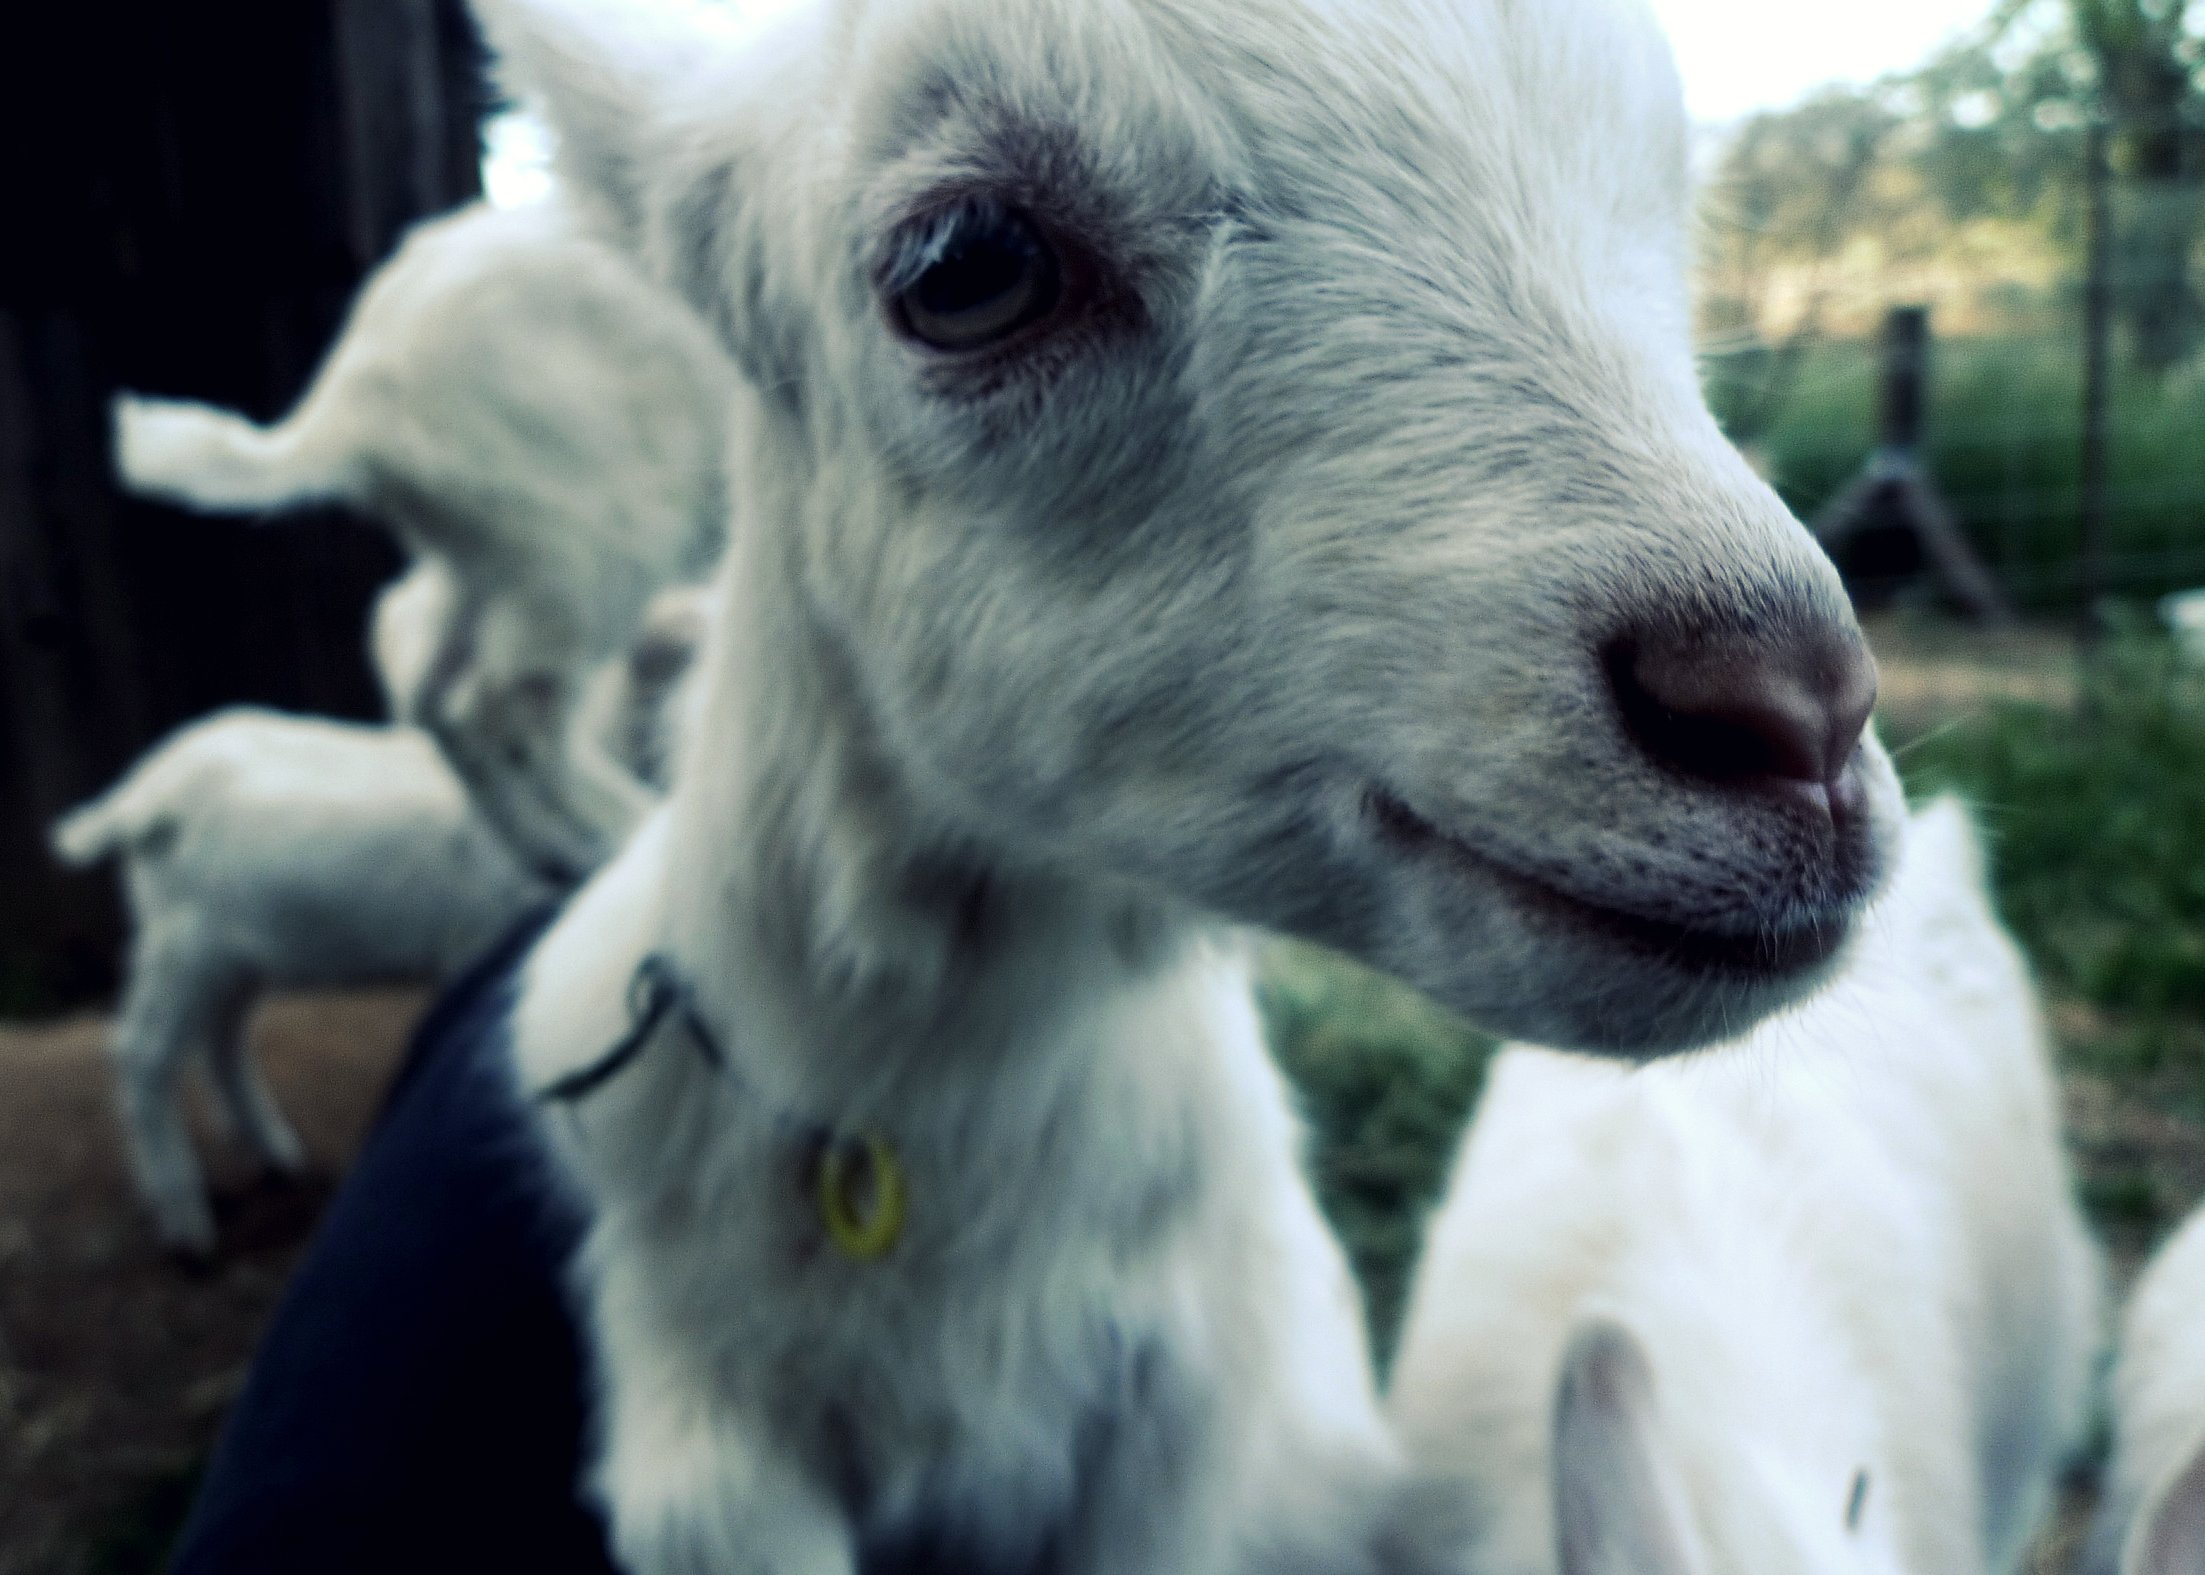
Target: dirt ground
[(115, 1361), (1934, 670)]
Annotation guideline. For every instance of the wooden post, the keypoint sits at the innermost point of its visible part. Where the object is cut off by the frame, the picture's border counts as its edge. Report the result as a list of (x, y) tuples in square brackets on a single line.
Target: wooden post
[(2097, 336), (1905, 374), (1894, 490)]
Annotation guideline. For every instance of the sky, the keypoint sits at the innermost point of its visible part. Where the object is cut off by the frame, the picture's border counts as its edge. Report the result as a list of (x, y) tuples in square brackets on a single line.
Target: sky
[(1738, 56)]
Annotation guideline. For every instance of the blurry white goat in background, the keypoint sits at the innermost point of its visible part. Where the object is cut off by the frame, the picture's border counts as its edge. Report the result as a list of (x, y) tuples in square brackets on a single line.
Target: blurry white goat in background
[(545, 427), (261, 851), (2151, 1513)]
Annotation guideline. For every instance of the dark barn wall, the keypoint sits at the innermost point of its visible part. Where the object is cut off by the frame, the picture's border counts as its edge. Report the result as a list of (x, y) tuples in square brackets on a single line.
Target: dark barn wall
[(190, 196)]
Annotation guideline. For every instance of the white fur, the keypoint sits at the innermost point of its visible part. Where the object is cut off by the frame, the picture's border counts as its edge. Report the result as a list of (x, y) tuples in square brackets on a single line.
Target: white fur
[(2151, 1518), (634, 708), (260, 852), (543, 428), (1381, 428), (1846, 1243), (411, 621), (627, 716)]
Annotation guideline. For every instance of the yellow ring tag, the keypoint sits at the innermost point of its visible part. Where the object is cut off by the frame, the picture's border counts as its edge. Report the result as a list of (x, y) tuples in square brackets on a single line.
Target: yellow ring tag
[(865, 1234)]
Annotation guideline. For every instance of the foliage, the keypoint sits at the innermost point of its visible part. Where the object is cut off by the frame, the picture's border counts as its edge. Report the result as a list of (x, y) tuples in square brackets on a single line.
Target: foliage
[(2097, 833), (1387, 1080), (1980, 151), (2097, 825)]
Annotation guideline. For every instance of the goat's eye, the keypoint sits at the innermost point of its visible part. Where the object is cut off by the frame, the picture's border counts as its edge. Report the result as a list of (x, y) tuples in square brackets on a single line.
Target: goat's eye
[(972, 276)]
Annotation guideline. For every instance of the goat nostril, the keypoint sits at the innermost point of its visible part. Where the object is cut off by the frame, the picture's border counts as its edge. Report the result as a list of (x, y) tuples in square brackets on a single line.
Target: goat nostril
[(1739, 711), (1849, 795)]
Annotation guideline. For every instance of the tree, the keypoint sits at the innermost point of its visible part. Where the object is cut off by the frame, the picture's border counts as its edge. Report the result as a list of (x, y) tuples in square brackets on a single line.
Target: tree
[(2147, 71), (1993, 129), (1792, 187)]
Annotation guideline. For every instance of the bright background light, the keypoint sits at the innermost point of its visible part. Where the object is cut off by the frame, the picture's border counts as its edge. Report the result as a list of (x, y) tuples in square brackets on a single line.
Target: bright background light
[(516, 159), (1738, 56), (517, 147)]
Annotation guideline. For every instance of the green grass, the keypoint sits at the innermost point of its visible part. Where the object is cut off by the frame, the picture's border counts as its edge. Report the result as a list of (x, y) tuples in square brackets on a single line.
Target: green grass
[(2097, 825), (1387, 1079)]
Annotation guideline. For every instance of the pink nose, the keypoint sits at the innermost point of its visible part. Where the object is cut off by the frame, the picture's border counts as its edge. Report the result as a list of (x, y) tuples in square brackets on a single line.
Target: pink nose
[(1749, 712)]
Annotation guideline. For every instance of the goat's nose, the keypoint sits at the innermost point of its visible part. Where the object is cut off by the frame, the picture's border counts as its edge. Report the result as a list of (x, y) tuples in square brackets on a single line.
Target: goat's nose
[(1749, 711)]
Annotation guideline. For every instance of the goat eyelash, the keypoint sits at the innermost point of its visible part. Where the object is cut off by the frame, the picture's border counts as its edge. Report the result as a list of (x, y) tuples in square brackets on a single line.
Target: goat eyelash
[(924, 242)]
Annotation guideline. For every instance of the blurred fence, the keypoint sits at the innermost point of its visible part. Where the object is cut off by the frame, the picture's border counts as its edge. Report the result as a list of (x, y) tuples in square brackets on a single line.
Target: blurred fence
[(1791, 357), (2004, 446)]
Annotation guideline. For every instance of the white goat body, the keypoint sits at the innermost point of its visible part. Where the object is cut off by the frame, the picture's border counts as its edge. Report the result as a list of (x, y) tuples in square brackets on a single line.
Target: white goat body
[(262, 851), (1819, 1301), (1141, 1346), (413, 618), (635, 707), (627, 711), (530, 414), (1198, 463), (2151, 1517)]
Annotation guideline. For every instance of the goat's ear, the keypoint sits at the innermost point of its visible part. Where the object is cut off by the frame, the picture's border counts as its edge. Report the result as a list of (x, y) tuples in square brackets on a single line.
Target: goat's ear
[(1619, 1506), (2169, 1536), (629, 90), (597, 72)]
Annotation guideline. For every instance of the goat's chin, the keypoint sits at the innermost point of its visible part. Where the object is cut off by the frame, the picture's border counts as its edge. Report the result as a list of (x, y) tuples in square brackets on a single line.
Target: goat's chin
[(1621, 1002), (1531, 960)]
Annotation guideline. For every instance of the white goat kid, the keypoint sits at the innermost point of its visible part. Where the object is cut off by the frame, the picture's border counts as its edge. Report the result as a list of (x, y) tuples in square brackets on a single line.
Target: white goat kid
[(524, 409), (1820, 1303), (636, 706), (2151, 1517), (627, 709), (412, 620), (263, 851), (1201, 462)]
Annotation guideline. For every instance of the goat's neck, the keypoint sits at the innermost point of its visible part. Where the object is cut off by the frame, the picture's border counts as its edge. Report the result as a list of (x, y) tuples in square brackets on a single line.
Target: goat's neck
[(848, 937)]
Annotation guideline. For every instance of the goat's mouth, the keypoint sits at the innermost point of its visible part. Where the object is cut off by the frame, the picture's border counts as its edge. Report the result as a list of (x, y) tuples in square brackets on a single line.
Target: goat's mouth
[(1761, 953)]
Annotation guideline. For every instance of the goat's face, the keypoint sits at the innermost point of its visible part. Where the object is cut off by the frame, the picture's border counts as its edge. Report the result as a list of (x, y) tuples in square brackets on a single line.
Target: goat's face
[(1251, 447)]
